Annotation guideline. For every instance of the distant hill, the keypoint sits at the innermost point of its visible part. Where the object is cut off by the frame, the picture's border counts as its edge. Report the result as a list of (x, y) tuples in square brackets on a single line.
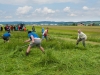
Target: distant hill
[(49, 23)]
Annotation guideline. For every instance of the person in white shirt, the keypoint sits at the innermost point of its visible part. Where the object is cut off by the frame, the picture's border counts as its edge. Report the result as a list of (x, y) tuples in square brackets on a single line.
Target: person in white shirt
[(45, 33), (81, 37)]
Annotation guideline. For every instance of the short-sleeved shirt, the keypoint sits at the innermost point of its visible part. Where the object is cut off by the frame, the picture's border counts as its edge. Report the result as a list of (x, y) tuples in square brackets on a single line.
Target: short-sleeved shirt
[(45, 32), (42, 30), (33, 34), (6, 34)]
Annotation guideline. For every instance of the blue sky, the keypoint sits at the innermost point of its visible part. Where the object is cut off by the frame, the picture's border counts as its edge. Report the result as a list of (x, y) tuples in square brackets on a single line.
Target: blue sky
[(50, 10)]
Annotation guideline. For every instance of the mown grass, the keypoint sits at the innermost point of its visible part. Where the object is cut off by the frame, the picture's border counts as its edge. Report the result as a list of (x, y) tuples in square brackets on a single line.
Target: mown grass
[(62, 56)]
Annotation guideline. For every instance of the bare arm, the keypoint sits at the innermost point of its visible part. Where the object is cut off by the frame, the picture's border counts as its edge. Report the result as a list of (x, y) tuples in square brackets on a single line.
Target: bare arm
[(32, 38), (28, 40)]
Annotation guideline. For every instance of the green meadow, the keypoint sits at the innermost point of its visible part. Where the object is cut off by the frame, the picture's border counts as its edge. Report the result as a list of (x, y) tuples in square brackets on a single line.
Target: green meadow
[(61, 57)]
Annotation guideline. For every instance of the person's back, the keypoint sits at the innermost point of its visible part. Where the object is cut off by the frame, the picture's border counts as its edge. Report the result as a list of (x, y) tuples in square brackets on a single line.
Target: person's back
[(33, 34), (82, 35), (6, 34)]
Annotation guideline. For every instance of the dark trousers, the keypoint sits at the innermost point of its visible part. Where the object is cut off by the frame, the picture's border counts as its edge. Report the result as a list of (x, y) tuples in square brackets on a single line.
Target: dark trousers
[(81, 39)]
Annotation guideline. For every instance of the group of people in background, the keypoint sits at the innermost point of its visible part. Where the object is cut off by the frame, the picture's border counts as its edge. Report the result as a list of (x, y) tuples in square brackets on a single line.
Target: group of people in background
[(13, 28)]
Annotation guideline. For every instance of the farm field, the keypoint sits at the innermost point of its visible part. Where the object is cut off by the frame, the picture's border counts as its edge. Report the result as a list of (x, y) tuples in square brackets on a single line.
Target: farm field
[(62, 57)]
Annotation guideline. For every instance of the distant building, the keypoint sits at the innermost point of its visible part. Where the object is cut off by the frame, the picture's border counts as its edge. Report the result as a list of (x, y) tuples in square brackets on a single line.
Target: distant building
[(80, 24)]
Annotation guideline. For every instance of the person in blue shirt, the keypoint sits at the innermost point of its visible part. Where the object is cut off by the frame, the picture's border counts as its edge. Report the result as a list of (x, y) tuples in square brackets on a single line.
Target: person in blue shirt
[(34, 40), (6, 36), (42, 33)]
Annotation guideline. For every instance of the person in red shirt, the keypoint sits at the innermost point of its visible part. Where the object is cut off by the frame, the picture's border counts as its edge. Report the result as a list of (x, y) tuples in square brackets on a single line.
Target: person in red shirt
[(19, 27), (46, 34)]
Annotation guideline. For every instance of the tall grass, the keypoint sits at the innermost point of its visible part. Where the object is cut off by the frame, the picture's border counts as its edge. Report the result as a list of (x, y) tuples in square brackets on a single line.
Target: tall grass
[(62, 57)]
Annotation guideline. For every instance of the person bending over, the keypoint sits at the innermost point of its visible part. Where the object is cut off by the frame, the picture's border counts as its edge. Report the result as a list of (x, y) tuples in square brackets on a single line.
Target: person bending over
[(6, 36), (34, 40), (81, 37)]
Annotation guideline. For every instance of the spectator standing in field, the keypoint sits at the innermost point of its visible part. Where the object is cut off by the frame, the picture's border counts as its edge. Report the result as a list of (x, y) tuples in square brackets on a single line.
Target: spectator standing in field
[(19, 27), (11, 27), (33, 29), (1, 28), (42, 33), (81, 37), (6, 36), (34, 40), (14, 28), (5, 28), (24, 28), (45, 33)]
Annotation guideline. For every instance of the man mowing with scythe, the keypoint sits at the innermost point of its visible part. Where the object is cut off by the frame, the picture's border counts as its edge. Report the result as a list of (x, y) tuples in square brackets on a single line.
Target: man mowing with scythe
[(6, 36), (34, 40), (81, 37)]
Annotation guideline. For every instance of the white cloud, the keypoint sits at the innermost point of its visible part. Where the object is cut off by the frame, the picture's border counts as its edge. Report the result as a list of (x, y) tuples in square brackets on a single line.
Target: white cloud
[(38, 10), (67, 9), (73, 15), (27, 10), (49, 14), (8, 17), (45, 10), (39, 14), (23, 10), (85, 8), (48, 11)]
